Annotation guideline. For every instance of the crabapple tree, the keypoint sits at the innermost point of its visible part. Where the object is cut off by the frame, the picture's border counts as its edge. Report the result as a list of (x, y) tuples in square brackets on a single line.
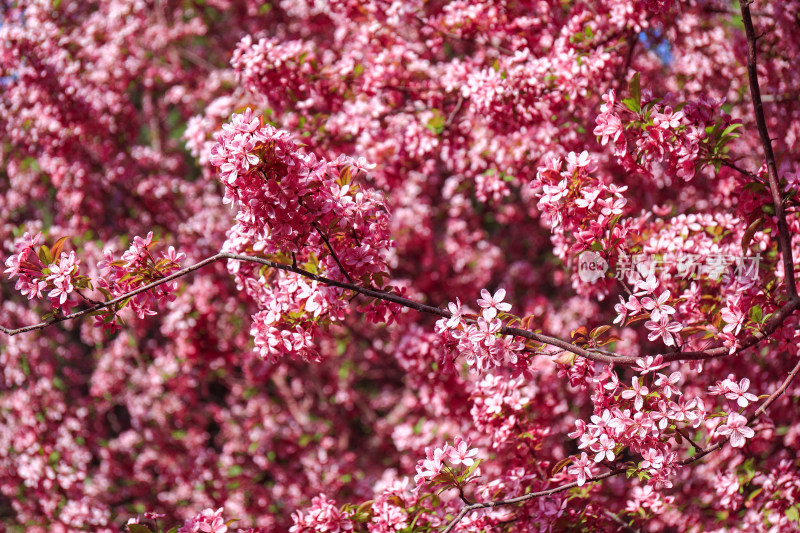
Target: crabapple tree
[(394, 266)]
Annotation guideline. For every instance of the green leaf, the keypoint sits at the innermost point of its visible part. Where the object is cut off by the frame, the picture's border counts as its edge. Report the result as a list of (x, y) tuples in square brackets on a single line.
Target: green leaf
[(470, 470), (565, 358), (631, 104), (139, 528), (636, 91), (731, 129), (755, 187), (756, 314), (436, 124), (105, 292), (598, 331), (792, 514), (44, 254)]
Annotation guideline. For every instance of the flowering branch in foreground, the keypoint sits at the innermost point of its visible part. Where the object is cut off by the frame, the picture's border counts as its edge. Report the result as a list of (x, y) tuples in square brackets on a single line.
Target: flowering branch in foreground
[(598, 356)]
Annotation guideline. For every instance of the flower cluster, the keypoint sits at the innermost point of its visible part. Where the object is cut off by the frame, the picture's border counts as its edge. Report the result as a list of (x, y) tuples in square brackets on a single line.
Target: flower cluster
[(110, 111), (138, 267), (208, 521), (322, 515), (643, 417), (479, 340), (583, 211), (647, 133), (45, 273), (50, 273), (644, 303), (304, 211), (734, 391), (452, 466)]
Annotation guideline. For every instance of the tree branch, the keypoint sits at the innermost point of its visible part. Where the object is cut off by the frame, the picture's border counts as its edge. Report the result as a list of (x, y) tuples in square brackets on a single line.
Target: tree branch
[(593, 355), (688, 438), (784, 239), (330, 249)]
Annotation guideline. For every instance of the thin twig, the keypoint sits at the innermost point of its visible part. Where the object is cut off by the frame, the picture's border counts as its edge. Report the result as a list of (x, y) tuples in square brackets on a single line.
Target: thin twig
[(520, 499), (740, 170), (333, 253), (723, 11), (621, 522), (454, 112), (687, 437)]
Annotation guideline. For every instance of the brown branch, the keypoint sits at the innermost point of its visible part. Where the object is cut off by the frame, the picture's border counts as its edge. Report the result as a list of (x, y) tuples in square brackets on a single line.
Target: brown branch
[(755, 177), (784, 238), (591, 354), (685, 436), (723, 11), (330, 249), (740, 170), (759, 412), (520, 499), (621, 522), (454, 112)]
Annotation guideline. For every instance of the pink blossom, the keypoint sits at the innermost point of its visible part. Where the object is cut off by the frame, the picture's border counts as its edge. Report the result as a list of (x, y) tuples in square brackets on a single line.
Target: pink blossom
[(581, 467), (658, 307), (491, 304), (649, 364), (737, 430), (604, 448), (664, 329), (667, 383), (460, 453), (638, 392)]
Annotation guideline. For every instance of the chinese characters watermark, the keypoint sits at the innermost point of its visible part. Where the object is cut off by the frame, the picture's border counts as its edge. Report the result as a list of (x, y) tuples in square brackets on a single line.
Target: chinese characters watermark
[(592, 266)]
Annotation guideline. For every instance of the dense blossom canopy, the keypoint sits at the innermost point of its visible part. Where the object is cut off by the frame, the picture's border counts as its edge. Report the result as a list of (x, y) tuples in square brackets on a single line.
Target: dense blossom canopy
[(385, 266)]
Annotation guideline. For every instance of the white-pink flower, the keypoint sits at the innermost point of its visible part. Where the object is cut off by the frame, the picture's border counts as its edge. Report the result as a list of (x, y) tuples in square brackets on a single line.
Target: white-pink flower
[(461, 453), (577, 161), (738, 392), (736, 427), (455, 314), (664, 329), (604, 449), (657, 307), (582, 468), (492, 304), (734, 319), (638, 392)]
